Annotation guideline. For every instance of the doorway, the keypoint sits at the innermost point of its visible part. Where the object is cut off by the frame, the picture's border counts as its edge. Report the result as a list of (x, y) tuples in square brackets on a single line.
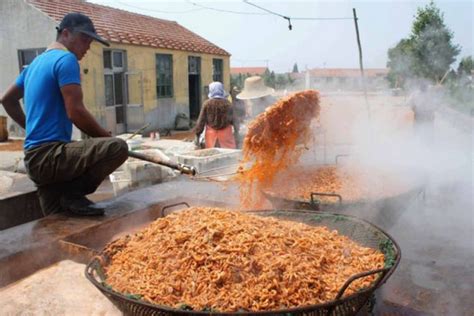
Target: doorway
[(115, 90), (194, 86)]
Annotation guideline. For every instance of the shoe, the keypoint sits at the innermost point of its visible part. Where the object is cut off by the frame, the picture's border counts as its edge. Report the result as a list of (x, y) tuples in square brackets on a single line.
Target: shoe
[(81, 206)]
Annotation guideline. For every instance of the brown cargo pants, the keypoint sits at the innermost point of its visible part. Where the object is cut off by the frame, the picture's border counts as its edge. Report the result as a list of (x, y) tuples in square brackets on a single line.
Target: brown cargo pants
[(72, 169)]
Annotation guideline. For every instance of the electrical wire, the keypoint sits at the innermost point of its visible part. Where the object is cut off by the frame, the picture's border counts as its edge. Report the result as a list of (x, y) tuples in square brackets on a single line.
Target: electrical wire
[(266, 10), (288, 18), (290, 27), (159, 11), (225, 11), (294, 18)]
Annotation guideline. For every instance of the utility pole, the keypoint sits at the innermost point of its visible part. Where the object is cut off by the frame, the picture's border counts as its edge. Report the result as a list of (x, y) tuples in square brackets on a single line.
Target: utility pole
[(361, 65)]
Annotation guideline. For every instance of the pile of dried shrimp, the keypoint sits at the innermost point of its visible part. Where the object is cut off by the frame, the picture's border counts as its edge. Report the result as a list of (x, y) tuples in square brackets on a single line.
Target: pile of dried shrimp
[(219, 260), (270, 145), (353, 184)]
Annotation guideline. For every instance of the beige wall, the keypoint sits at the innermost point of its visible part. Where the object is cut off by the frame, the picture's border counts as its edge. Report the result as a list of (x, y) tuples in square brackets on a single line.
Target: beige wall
[(141, 60)]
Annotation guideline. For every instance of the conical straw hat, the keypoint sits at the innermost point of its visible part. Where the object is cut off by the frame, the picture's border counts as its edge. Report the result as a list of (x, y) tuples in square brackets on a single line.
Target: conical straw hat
[(254, 88)]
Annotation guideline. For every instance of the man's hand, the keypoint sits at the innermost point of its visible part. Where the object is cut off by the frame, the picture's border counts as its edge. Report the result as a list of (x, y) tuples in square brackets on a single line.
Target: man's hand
[(196, 141), (11, 103), (78, 114)]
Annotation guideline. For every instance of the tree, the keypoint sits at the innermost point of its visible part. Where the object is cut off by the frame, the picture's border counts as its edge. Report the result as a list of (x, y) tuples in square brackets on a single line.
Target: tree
[(428, 52), (269, 78), (280, 81), (401, 63), (295, 68), (465, 66)]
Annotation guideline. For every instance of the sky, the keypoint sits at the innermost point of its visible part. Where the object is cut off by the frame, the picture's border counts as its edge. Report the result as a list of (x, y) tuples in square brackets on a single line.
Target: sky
[(255, 38)]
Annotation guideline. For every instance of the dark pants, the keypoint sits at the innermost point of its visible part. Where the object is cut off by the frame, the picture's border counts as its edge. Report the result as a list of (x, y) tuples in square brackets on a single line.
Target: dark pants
[(73, 169)]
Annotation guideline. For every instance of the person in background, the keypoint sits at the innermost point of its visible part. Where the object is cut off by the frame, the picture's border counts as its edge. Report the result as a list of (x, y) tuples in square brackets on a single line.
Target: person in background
[(239, 112), (256, 95), (423, 107), (217, 117), (64, 171)]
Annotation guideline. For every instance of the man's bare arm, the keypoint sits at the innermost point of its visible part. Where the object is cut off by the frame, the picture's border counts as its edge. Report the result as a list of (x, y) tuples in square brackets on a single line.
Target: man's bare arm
[(11, 103), (78, 113)]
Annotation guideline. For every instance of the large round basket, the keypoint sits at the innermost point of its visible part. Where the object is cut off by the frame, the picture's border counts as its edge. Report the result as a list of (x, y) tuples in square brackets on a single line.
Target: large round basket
[(360, 231)]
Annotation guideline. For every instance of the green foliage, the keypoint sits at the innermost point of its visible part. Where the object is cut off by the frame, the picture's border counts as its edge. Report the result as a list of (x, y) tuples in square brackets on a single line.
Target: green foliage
[(185, 307), (465, 66), (237, 81), (427, 53), (295, 68), (339, 218), (136, 297), (278, 81), (461, 95), (107, 286), (401, 63), (388, 249), (269, 78)]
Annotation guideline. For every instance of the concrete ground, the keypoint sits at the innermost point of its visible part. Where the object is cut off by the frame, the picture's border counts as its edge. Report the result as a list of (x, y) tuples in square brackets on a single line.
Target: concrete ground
[(11, 160)]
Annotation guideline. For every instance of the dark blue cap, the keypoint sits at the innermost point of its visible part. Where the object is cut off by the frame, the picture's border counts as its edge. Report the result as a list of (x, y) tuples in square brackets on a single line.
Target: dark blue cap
[(78, 22)]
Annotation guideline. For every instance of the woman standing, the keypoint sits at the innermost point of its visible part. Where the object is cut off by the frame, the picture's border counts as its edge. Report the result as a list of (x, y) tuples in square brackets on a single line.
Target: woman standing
[(217, 117)]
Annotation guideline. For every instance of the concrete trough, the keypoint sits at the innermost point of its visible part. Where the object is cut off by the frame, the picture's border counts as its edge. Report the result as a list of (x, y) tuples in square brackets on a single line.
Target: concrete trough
[(18, 200), (206, 160)]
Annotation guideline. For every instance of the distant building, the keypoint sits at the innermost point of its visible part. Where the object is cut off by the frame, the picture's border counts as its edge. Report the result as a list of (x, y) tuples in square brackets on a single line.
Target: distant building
[(153, 69), (342, 78), (252, 71)]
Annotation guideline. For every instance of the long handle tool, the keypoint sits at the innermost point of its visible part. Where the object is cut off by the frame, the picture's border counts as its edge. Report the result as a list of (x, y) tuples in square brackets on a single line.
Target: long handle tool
[(186, 169)]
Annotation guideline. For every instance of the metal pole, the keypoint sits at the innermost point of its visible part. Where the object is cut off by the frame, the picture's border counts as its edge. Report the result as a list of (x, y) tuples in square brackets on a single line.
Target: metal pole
[(186, 169), (361, 64)]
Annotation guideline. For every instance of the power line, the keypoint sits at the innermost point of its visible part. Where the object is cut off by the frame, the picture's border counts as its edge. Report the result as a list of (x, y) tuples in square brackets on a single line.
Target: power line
[(266, 10), (290, 27), (288, 18), (159, 11), (200, 7), (316, 19), (225, 11), (296, 18)]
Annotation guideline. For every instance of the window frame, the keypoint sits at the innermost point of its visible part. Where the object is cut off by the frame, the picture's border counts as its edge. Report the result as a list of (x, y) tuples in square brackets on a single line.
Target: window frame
[(218, 72), (113, 72), (165, 84), (21, 59)]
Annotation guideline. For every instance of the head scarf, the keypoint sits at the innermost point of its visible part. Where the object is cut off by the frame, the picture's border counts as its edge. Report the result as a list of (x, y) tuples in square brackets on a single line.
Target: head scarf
[(216, 91)]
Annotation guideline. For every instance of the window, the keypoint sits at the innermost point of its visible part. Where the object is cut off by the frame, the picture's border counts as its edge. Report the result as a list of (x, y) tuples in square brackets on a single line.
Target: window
[(118, 59), (114, 88), (113, 59), (26, 56), (217, 73), (114, 77), (194, 65), (107, 59), (109, 90), (164, 75)]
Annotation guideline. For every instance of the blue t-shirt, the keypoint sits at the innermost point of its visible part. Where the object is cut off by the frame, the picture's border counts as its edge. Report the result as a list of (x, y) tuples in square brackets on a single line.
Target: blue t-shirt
[(41, 81)]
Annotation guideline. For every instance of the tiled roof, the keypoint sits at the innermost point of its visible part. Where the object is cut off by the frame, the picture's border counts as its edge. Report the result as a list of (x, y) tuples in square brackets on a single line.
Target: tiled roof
[(119, 26), (247, 70)]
